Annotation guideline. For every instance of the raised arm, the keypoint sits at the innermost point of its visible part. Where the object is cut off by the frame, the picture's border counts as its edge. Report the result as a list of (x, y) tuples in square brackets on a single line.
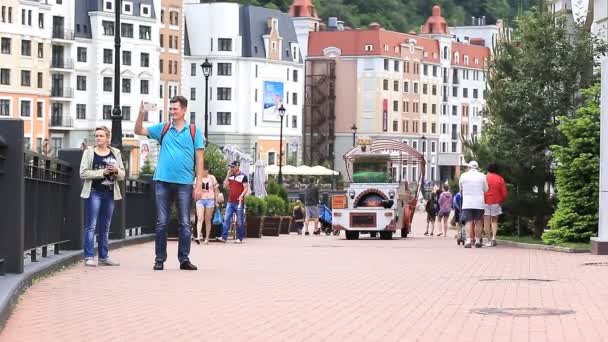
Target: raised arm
[(139, 123)]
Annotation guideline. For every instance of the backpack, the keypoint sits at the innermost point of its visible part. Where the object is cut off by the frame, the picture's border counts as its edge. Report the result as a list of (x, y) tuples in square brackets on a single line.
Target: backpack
[(192, 134), (435, 206)]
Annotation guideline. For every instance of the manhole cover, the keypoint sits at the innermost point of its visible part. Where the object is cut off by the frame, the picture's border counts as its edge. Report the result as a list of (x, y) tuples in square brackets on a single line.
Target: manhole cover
[(325, 246), (595, 264), (522, 312), (518, 279)]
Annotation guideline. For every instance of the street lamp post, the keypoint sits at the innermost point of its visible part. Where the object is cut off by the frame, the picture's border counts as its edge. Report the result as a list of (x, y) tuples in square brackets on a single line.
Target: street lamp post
[(599, 244), (425, 147), (116, 113), (354, 130), (281, 114), (207, 67)]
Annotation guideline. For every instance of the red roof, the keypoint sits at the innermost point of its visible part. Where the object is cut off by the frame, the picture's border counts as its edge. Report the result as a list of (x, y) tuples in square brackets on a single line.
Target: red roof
[(477, 55), (353, 43)]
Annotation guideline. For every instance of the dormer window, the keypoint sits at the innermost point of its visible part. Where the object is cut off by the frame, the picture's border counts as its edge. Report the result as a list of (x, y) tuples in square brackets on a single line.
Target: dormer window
[(369, 47), (385, 47), (274, 47), (456, 58), (108, 5), (466, 60), (127, 8), (146, 11), (476, 61)]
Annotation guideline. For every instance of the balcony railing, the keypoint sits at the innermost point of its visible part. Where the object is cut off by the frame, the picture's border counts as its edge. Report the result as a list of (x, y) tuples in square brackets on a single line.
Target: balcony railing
[(62, 92), (61, 121), (59, 33), (62, 63)]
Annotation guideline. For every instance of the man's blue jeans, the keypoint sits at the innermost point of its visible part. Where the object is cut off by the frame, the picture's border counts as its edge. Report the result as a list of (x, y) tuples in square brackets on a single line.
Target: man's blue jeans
[(232, 208), (99, 208), (165, 192)]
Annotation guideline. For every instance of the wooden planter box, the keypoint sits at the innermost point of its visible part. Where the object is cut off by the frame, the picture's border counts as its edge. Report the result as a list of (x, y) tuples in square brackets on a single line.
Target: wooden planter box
[(286, 225), (253, 226), (271, 226)]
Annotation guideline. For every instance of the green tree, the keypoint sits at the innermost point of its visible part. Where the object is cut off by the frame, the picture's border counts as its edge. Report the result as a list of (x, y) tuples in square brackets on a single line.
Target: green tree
[(577, 174), (534, 78), (217, 163), (147, 169)]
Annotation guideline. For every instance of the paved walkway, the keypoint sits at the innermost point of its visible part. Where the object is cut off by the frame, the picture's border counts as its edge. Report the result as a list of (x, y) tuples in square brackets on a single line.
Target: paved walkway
[(313, 288)]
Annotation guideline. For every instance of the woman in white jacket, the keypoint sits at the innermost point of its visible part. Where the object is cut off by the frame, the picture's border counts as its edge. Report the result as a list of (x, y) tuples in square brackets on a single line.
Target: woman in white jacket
[(101, 168)]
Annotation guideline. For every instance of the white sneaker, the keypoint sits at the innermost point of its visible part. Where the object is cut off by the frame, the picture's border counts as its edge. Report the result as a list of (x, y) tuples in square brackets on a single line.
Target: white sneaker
[(108, 262), (90, 263), (238, 241)]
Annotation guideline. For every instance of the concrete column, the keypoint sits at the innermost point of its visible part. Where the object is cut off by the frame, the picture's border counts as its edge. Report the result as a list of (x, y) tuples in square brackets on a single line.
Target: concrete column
[(599, 245)]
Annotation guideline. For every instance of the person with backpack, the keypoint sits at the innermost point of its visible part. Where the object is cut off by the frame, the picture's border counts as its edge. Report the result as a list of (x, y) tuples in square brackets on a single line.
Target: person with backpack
[(432, 209), (181, 152)]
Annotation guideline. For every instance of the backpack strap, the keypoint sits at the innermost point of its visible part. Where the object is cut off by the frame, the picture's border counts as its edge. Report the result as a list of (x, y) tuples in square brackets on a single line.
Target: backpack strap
[(193, 132), (164, 131)]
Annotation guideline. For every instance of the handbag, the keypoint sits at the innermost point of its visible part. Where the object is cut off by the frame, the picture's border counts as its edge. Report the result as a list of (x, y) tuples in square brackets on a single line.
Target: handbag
[(217, 217)]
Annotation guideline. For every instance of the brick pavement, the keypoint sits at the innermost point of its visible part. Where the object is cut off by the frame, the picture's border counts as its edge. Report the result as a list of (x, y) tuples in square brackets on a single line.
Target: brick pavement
[(292, 288)]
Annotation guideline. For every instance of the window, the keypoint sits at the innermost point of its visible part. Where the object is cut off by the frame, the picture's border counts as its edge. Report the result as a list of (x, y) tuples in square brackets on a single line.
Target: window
[(107, 84), (425, 88), (406, 87), (424, 108), (193, 94), (145, 10), (454, 132), (433, 108), (435, 71), (271, 158), (395, 125), (425, 70), (26, 47), (396, 85), (193, 69), (126, 85), (144, 87), (6, 45), (5, 107), (126, 30), (26, 78), (26, 108), (224, 44), (39, 80), (465, 92), (434, 90), (224, 94), (126, 58), (144, 60), (162, 40), (81, 111), (107, 56), (174, 18), (145, 32), (81, 54), (444, 129), (223, 118), (39, 109), (127, 8), (454, 110), (108, 27), (5, 76), (294, 98), (395, 106), (454, 147), (406, 106), (455, 91), (295, 75), (161, 91), (407, 67), (386, 64), (294, 122), (192, 117), (433, 130), (444, 110), (126, 113), (224, 69), (81, 82), (385, 85), (415, 88), (107, 112), (423, 128), (369, 47), (475, 93), (396, 66)]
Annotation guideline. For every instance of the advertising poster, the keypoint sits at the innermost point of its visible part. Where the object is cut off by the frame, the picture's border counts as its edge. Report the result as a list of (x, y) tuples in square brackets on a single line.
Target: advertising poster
[(273, 98)]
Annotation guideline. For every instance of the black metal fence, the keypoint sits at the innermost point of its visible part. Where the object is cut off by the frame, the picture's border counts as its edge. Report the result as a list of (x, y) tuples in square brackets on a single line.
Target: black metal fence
[(40, 203)]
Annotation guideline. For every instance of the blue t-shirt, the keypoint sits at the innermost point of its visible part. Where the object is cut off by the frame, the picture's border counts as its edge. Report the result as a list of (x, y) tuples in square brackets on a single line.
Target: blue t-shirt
[(176, 159)]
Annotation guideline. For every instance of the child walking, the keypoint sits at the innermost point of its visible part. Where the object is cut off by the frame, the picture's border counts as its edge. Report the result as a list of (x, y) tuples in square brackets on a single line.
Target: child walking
[(432, 209), (298, 216)]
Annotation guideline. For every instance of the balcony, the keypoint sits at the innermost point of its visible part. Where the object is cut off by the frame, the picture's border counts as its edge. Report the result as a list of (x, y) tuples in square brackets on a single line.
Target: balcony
[(60, 33), (62, 63), (62, 92), (61, 121)]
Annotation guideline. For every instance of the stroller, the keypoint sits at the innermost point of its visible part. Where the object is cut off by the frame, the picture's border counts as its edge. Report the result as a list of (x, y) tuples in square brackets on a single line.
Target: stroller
[(325, 220)]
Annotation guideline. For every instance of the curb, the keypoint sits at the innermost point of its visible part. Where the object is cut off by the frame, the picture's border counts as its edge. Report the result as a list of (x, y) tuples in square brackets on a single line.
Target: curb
[(12, 286), (542, 247)]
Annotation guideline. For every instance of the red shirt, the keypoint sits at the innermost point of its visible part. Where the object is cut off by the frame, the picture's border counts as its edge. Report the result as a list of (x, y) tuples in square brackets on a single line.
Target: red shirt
[(497, 189), (236, 186)]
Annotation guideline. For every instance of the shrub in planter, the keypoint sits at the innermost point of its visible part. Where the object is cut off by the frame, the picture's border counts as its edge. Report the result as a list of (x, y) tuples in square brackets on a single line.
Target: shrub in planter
[(256, 209), (275, 209)]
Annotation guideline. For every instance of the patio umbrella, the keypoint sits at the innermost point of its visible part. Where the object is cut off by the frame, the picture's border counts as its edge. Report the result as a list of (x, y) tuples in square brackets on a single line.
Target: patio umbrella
[(323, 171), (259, 178)]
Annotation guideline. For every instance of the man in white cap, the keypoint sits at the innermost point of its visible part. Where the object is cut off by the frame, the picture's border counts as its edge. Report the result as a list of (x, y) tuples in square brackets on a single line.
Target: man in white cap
[(473, 185)]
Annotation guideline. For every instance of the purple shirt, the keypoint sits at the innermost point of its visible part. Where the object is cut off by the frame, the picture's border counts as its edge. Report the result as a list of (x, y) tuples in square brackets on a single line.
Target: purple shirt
[(445, 202)]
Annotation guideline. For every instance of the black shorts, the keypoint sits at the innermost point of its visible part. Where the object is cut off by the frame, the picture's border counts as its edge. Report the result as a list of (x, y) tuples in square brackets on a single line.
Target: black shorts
[(469, 215)]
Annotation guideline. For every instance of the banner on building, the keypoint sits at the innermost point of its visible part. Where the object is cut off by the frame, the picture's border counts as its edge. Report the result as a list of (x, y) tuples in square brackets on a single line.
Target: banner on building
[(273, 98)]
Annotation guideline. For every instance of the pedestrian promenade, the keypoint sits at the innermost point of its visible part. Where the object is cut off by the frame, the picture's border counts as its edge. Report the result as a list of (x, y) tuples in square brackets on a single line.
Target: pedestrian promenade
[(320, 288)]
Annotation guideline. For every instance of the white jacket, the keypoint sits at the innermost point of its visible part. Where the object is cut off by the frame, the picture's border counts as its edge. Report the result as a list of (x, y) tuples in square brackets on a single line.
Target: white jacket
[(473, 185)]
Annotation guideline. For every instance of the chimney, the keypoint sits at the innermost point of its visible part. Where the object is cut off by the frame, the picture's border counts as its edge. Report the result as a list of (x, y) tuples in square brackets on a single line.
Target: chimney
[(473, 21), (478, 21), (340, 25), (332, 24), (483, 20), (374, 26)]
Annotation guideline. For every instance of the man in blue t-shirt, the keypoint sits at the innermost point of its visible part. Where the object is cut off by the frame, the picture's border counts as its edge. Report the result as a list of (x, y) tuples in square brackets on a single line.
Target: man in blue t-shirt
[(181, 145)]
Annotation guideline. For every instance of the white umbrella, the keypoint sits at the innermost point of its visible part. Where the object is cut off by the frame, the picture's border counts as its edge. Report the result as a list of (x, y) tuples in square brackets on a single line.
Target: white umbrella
[(323, 171), (304, 170), (259, 178)]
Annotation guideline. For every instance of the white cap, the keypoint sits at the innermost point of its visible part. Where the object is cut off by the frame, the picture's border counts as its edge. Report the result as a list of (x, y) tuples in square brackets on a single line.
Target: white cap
[(473, 165)]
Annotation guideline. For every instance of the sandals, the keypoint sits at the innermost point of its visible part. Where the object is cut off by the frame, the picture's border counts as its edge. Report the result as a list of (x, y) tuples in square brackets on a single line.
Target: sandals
[(198, 241), (439, 234), (426, 234)]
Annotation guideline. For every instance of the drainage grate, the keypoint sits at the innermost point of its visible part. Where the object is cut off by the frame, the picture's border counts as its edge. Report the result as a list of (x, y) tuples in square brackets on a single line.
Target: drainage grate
[(518, 279), (522, 312), (595, 264)]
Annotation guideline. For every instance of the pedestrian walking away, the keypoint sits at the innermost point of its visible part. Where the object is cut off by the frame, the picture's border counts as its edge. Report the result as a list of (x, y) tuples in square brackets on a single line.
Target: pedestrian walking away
[(494, 197), (432, 209), (181, 154), (445, 208), (206, 205), (101, 168), (473, 185), (311, 201), (238, 185)]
